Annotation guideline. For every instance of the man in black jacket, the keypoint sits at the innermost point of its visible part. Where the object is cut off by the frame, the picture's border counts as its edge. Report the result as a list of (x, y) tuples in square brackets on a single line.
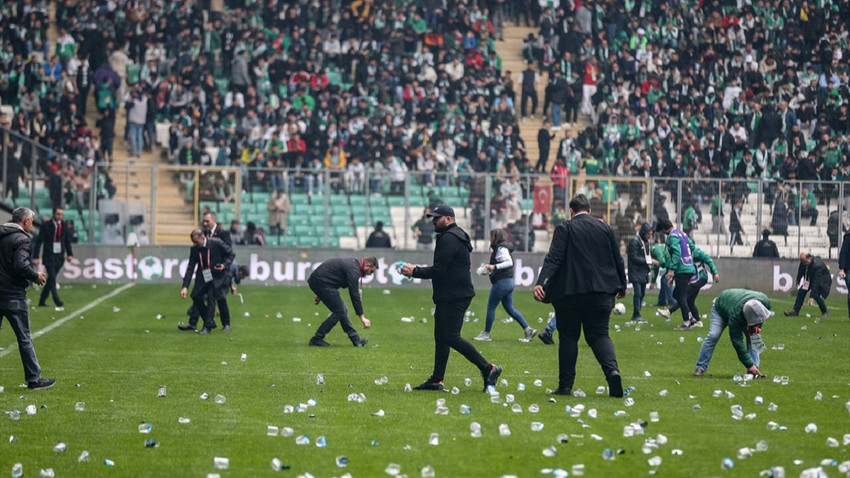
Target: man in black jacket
[(325, 282), (16, 272), (765, 247), (54, 239), (453, 292), (812, 277), (581, 275), (640, 261), (544, 138), (209, 260), (212, 229)]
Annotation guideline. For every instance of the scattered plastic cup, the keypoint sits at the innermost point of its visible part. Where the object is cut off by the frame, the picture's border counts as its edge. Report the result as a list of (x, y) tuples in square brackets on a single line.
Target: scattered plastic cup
[(220, 399), (221, 463), (80, 406)]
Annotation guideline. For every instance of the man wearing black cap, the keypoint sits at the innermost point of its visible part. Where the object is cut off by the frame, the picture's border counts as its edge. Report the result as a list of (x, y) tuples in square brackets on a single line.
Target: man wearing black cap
[(581, 275), (765, 247), (453, 292)]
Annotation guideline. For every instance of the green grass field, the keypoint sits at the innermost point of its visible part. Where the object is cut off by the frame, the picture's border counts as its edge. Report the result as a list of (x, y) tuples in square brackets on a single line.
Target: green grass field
[(115, 360)]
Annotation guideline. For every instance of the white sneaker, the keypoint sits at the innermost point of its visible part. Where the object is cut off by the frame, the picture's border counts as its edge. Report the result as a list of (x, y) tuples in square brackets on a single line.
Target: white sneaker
[(482, 337), (664, 313), (530, 334)]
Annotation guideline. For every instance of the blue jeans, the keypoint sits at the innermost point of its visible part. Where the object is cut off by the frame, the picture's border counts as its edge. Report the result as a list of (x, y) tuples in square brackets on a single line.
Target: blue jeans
[(640, 291), (665, 296), (556, 115), (553, 325), (503, 291), (715, 330), (136, 141)]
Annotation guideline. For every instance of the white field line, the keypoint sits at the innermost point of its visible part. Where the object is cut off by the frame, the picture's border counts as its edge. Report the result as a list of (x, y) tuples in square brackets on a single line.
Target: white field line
[(70, 316)]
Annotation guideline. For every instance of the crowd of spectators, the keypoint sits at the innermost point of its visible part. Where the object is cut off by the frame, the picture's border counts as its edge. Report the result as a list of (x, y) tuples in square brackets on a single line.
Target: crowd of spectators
[(350, 90)]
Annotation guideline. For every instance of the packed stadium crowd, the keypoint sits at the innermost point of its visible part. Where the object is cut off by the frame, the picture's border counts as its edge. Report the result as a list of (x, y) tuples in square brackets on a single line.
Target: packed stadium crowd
[(683, 89)]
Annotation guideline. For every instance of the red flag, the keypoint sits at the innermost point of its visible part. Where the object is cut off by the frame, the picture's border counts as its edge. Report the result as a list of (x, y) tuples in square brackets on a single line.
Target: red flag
[(543, 198)]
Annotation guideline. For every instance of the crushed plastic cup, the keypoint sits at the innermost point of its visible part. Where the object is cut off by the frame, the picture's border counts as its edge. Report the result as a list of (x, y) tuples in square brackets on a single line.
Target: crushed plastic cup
[(832, 442), (533, 408), (846, 439), (654, 461), (629, 402), (772, 407), (536, 426), (84, 456), (321, 442), (243, 357), (504, 430), (475, 429), (465, 409), (744, 452), (408, 387), (60, 447), (441, 411), (538, 383), (272, 431), (608, 454), (287, 432), (31, 410), (320, 379), (520, 387), (302, 440), (455, 390), (428, 472), (80, 406), (434, 439), (379, 413), (509, 398), (550, 451), (205, 396), (578, 469), (46, 473), (108, 462), (17, 470), (183, 420), (758, 400), (162, 392), (811, 428), (276, 464), (664, 393), (220, 399), (467, 381), (727, 463), (653, 417), (221, 463), (392, 469), (150, 443), (818, 395), (495, 397), (516, 408), (341, 461)]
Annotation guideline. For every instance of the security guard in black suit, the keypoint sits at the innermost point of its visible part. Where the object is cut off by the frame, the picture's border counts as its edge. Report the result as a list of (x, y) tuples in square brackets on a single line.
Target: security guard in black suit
[(209, 260), (55, 239), (211, 229), (581, 275)]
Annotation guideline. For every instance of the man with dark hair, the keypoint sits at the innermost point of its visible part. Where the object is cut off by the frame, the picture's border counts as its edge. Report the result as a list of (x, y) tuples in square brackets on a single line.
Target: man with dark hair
[(640, 261), (812, 278), (453, 292), (54, 239), (209, 260), (582, 273), (16, 272), (765, 247), (325, 282), (212, 229), (379, 238), (844, 263), (680, 268)]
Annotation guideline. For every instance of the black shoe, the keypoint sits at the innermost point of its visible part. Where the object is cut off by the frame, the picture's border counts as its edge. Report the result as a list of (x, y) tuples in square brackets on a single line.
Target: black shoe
[(825, 314), (791, 313), (315, 342), (204, 331), (546, 337), (186, 327), (226, 328), (360, 342), (430, 385), (615, 386), (562, 391), (41, 384), (491, 376)]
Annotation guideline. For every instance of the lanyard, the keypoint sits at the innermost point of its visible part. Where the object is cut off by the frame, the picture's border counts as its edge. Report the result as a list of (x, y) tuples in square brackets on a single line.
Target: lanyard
[(201, 259)]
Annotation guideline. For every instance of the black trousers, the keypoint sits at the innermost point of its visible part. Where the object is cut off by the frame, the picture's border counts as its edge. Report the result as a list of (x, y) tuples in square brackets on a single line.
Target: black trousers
[(223, 311), (590, 312), (542, 161), (53, 267), (339, 313), (801, 296), (448, 320), (524, 101), (680, 293), (693, 292), (204, 305), (571, 111)]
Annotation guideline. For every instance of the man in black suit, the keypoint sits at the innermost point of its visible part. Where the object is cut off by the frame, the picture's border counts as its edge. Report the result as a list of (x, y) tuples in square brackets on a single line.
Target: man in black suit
[(581, 275), (212, 229), (54, 238), (209, 260), (813, 279)]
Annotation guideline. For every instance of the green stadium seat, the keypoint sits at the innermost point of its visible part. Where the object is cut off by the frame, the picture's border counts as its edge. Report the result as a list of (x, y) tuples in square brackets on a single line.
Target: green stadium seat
[(273, 241), (338, 199), (301, 229), (300, 199), (396, 201), (357, 200), (343, 231)]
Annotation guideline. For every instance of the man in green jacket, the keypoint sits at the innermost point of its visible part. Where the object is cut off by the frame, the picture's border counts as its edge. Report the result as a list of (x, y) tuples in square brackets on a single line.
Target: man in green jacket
[(704, 265), (743, 311), (665, 294), (680, 268)]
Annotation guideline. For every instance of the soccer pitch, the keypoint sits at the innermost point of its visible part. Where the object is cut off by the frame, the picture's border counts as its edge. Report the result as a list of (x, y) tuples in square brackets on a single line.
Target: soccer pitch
[(115, 356)]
